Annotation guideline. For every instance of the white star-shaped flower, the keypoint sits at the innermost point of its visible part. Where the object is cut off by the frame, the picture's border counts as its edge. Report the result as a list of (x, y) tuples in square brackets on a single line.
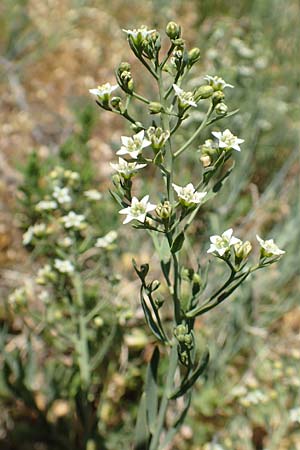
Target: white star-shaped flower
[(185, 98), (138, 209), (104, 91), (269, 248), (127, 169), (93, 194), (217, 83), (46, 205), (221, 244), (227, 140), (187, 195), (134, 145), (107, 240), (62, 195), (63, 266), (139, 33), (73, 220)]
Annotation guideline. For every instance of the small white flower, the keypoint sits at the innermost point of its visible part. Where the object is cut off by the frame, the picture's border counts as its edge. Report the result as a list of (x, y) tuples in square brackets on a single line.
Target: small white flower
[(138, 209), (93, 194), (269, 248), (217, 83), (46, 205), (107, 240), (65, 242), (139, 33), (18, 296), (62, 195), (294, 415), (127, 169), (134, 145), (73, 220), (38, 230), (104, 91), (28, 236), (228, 140), (71, 175), (221, 244), (45, 274), (188, 195), (185, 98), (63, 266), (254, 398)]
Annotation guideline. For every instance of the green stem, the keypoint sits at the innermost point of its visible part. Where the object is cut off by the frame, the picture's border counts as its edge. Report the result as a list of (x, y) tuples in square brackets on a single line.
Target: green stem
[(196, 134), (141, 98), (165, 399), (83, 349)]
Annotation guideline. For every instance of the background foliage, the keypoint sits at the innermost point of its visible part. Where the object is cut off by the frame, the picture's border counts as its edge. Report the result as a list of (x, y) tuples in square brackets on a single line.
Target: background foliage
[(51, 54)]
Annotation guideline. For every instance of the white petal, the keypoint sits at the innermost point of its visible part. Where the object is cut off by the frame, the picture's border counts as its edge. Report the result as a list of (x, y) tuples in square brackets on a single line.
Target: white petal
[(228, 233), (125, 210), (177, 89), (217, 134), (128, 219)]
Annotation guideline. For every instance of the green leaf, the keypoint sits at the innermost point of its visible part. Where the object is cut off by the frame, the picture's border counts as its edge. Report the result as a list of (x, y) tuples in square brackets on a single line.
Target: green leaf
[(151, 390), (142, 272), (221, 182), (186, 385), (142, 435), (177, 424), (178, 242), (150, 321)]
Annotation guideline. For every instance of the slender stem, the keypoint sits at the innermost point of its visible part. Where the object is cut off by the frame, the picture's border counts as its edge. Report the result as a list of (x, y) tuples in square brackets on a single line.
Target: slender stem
[(165, 399), (141, 98), (196, 134), (83, 340)]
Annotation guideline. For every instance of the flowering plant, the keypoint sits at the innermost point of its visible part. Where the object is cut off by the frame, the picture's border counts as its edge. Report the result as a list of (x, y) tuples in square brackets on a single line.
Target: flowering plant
[(168, 221)]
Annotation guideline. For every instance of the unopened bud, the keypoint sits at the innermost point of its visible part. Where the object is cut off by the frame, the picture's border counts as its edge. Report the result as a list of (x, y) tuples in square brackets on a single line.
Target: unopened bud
[(197, 279), (137, 126), (173, 30), (98, 322), (204, 92), (116, 102), (124, 67), (164, 210), (194, 55), (155, 107), (221, 109), (218, 97), (206, 160), (242, 251)]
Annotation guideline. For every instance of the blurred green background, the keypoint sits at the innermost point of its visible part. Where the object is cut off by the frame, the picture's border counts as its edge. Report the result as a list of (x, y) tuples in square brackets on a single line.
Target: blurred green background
[(51, 53)]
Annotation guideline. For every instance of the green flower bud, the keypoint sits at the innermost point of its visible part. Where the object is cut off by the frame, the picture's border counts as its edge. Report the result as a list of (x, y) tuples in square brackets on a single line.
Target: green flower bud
[(221, 109), (242, 251), (98, 322), (164, 210), (206, 160), (204, 92), (124, 67), (155, 107), (179, 42), (116, 102), (137, 126), (173, 30), (159, 301), (194, 55), (218, 97), (197, 279)]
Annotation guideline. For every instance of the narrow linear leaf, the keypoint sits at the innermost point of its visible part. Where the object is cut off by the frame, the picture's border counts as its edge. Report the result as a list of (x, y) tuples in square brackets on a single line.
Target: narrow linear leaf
[(193, 378), (151, 390), (178, 242), (177, 424), (150, 321), (142, 434)]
